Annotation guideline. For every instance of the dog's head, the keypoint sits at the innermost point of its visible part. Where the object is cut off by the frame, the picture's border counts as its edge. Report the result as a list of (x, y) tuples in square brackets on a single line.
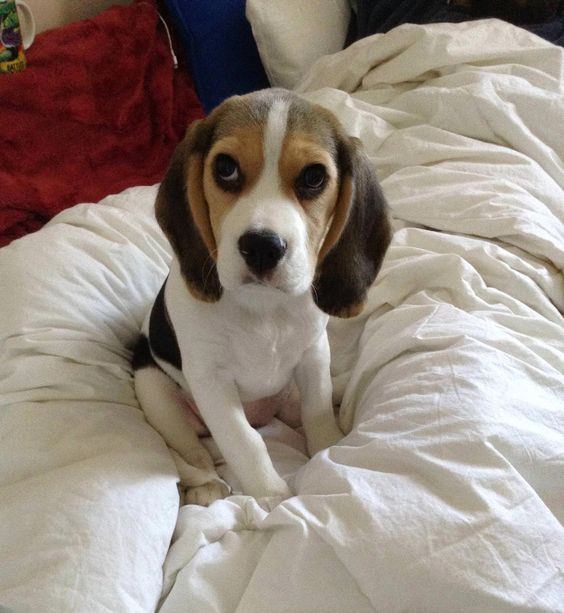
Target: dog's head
[(269, 191)]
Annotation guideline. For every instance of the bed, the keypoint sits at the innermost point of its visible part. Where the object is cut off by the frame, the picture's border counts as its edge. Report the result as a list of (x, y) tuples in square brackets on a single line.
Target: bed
[(447, 492)]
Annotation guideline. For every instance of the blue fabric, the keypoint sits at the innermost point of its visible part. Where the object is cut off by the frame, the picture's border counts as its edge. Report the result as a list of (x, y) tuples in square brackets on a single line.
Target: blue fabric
[(220, 48)]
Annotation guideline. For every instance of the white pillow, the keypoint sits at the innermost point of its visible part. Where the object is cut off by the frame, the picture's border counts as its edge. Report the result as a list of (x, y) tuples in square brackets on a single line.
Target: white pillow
[(293, 34)]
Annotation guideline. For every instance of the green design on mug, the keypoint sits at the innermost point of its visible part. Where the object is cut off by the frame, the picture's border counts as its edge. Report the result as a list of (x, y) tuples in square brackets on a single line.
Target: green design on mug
[(12, 56)]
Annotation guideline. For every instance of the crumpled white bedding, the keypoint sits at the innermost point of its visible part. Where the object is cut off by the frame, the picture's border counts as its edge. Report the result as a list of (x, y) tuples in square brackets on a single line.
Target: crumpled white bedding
[(448, 492)]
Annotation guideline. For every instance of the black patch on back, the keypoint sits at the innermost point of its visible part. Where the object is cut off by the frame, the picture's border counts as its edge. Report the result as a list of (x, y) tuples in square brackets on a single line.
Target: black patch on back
[(142, 357), (162, 338)]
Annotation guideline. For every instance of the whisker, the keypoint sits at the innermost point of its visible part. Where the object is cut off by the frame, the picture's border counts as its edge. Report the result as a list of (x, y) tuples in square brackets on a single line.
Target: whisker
[(209, 260), (314, 291)]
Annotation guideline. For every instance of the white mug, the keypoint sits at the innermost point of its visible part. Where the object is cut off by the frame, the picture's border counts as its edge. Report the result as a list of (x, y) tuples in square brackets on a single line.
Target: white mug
[(26, 19), (27, 23), (17, 32)]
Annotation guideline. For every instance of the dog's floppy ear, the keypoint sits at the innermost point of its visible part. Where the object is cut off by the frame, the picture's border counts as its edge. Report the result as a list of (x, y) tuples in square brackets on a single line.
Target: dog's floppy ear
[(357, 239), (182, 213)]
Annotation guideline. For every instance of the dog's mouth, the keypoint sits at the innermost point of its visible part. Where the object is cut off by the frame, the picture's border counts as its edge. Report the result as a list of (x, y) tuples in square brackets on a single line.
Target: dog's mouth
[(262, 281), (268, 281)]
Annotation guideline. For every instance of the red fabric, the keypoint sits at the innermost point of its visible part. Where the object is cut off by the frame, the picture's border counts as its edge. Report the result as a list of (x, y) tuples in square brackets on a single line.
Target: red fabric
[(99, 108)]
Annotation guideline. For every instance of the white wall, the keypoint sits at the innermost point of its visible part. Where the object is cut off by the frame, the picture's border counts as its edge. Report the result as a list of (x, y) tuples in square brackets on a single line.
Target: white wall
[(52, 13)]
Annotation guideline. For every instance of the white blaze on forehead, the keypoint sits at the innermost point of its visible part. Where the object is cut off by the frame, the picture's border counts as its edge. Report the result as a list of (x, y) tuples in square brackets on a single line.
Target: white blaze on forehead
[(275, 132), (267, 207)]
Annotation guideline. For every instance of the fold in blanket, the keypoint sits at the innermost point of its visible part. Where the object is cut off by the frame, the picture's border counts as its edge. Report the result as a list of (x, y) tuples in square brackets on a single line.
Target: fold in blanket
[(99, 108)]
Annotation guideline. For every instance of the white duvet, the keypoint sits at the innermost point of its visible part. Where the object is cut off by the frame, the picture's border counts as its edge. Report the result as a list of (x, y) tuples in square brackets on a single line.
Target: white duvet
[(448, 492)]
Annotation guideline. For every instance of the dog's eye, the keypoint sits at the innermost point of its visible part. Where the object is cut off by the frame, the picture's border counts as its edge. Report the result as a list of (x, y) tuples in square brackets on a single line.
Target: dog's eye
[(311, 181), (314, 176), (227, 170)]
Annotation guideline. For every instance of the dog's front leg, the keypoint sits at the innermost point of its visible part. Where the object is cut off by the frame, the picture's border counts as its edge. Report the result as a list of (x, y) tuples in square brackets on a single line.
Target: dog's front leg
[(313, 378), (241, 445)]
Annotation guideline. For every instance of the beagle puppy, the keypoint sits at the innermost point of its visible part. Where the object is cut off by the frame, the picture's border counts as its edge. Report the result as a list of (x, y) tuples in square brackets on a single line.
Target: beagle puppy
[(276, 221)]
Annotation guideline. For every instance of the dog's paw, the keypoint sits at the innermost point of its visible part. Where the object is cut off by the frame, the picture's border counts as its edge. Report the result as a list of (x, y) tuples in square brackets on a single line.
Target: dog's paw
[(269, 498), (269, 503), (321, 438), (277, 489), (207, 493)]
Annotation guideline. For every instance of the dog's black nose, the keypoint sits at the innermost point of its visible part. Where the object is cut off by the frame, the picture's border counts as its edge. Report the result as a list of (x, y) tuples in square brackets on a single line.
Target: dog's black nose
[(262, 250)]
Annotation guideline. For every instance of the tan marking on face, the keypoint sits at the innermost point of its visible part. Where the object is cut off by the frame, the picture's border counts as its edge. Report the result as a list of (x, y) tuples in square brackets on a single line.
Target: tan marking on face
[(197, 202), (340, 215), (244, 145), (299, 150)]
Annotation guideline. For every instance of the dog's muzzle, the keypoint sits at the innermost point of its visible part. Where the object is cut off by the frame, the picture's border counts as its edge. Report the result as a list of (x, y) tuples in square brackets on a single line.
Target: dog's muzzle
[(262, 250)]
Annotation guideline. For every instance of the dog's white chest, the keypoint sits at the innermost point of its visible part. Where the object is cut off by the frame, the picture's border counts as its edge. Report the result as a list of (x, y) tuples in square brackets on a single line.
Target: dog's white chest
[(256, 345), (262, 352)]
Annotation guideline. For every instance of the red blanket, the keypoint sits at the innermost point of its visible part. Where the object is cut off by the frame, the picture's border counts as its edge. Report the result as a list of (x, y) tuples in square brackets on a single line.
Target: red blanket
[(99, 108)]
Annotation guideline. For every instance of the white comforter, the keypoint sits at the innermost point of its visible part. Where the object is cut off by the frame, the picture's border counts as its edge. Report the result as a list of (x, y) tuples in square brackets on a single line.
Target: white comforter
[(448, 492)]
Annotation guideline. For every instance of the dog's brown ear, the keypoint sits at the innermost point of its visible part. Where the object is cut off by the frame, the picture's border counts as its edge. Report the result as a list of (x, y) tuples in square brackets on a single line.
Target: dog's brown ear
[(183, 214), (357, 239)]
